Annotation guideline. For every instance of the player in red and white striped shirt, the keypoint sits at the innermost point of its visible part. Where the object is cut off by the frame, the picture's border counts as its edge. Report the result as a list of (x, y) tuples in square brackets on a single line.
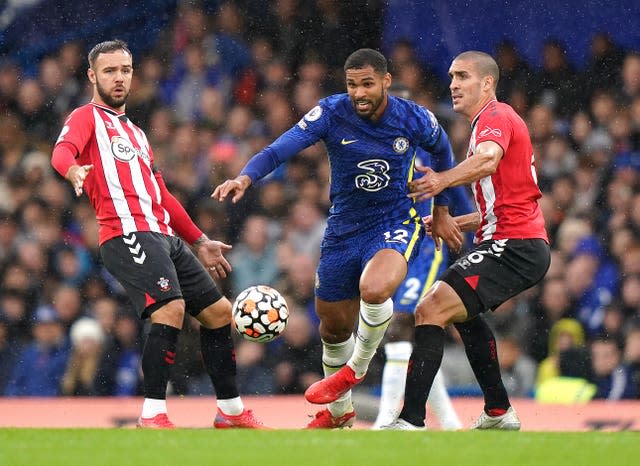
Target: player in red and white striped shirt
[(511, 252), (102, 152)]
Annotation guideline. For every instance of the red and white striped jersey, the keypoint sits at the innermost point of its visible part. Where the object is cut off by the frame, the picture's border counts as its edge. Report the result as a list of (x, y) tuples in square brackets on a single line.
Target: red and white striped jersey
[(121, 187), (508, 199)]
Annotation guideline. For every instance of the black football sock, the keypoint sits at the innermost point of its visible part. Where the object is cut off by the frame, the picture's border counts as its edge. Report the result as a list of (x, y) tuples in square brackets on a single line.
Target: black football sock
[(220, 360), (480, 346), (158, 356), (423, 367)]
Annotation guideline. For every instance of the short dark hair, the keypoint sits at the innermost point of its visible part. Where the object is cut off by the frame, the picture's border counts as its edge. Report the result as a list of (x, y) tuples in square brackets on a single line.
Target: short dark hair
[(485, 64), (107, 47), (362, 58)]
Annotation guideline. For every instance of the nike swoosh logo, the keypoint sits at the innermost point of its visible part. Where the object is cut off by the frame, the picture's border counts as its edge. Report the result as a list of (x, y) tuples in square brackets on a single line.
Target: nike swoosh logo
[(344, 141)]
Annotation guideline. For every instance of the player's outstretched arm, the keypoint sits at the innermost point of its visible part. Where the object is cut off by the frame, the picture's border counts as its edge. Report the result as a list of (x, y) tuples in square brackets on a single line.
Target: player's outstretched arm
[(64, 161), (483, 163), (236, 187)]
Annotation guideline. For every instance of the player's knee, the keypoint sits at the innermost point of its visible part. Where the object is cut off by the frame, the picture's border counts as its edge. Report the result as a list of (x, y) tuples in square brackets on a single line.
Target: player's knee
[(374, 293), (171, 313), (216, 315), (432, 310)]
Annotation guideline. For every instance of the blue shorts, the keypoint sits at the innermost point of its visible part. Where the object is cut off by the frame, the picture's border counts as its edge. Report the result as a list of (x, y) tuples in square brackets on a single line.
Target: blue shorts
[(423, 272), (342, 260)]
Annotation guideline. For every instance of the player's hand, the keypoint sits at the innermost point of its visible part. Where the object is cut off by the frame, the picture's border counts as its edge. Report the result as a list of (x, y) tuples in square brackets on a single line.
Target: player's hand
[(237, 187), (427, 221), (210, 253), (444, 228), (427, 186), (76, 176)]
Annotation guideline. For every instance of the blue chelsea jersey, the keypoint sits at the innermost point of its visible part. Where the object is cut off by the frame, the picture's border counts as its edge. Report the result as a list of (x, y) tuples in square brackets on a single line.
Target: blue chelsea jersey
[(371, 162)]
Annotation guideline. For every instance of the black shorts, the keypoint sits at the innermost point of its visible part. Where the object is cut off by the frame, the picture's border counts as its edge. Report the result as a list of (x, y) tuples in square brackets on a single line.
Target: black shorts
[(496, 270), (154, 268)]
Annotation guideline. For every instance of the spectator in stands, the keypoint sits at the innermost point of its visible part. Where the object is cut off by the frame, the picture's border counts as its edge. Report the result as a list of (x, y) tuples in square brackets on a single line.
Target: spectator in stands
[(35, 112), (572, 384), (298, 283), (185, 86), (554, 85), (517, 368), (14, 144), (61, 93), (613, 322), (10, 75), (254, 259), (296, 359), (119, 371), (87, 345), (566, 333), (253, 378), (631, 356), (14, 312), (104, 310), (630, 295), (610, 374), (515, 73), (630, 75), (8, 234), (41, 364), (605, 58), (9, 350), (592, 283), (303, 232), (67, 302)]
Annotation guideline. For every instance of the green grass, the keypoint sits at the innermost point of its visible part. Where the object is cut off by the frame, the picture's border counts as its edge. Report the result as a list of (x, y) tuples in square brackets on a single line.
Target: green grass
[(191, 447)]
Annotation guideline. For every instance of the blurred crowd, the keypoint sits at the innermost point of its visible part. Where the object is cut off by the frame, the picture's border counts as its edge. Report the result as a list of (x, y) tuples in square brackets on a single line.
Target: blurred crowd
[(218, 86)]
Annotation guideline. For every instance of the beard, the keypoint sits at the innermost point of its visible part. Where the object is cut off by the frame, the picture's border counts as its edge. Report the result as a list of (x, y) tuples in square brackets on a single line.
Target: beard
[(108, 99), (375, 105)]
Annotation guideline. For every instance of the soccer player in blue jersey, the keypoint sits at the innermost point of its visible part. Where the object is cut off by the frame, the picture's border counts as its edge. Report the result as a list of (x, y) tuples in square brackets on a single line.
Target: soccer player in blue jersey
[(373, 229)]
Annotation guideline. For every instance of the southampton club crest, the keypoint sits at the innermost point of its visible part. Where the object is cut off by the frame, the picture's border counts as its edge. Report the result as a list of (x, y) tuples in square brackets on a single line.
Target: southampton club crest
[(400, 145), (164, 285)]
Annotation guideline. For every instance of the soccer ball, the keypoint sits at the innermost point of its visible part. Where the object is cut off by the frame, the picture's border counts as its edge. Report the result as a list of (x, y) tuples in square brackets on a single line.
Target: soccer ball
[(260, 313)]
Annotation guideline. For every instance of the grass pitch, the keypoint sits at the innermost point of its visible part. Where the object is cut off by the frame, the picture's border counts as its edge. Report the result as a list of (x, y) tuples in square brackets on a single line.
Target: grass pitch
[(183, 447)]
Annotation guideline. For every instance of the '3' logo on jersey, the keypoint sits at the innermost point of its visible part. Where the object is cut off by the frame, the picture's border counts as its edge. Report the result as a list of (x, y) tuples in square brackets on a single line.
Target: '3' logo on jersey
[(375, 178)]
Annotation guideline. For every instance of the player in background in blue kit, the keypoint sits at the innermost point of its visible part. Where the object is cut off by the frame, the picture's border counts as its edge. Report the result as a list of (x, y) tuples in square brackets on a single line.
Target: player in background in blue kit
[(423, 271), (373, 229)]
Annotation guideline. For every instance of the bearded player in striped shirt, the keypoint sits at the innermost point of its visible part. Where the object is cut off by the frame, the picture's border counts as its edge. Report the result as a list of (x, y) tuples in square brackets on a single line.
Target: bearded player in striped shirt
[(102, 152)]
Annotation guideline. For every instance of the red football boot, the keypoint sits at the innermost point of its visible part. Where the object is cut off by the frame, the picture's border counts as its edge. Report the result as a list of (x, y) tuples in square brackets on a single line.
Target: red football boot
[(333, 387), (159, 421), (244, 420), (324, 420)]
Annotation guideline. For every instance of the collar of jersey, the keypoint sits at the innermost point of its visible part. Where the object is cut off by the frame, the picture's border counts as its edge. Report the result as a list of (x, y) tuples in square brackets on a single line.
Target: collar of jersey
[(475, 118), (107, 109)]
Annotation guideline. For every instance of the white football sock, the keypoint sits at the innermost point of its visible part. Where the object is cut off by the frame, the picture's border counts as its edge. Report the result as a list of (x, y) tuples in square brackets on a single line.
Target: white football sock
[(231, 406), (152, 407), (372, 325), (334, 357), (441, 405), (394, 376)]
